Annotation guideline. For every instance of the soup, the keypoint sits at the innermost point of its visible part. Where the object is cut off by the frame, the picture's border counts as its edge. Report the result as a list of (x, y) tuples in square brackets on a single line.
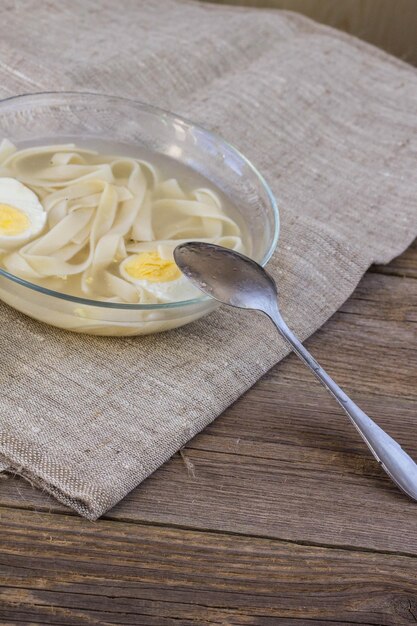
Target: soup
[(85, 223)]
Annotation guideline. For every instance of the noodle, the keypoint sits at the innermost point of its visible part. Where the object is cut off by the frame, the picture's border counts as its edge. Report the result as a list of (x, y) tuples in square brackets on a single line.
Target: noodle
[(102, 209)]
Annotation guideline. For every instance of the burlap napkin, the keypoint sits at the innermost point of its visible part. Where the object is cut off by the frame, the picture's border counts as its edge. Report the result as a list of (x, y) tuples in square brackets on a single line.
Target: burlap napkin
[(332, 124)]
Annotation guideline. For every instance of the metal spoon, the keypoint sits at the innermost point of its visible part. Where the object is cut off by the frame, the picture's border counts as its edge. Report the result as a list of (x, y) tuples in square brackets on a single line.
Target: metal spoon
[(236, 280)]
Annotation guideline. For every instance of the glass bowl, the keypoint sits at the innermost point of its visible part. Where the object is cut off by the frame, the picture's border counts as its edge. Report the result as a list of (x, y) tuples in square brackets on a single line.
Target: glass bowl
[(88, 119)]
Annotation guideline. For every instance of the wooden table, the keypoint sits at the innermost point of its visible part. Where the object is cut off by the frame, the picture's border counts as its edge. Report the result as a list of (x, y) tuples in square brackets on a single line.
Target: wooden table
[(275, 514)]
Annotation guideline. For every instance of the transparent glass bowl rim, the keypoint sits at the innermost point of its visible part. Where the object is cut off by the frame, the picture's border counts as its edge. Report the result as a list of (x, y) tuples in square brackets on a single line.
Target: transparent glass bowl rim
[(163, 113)]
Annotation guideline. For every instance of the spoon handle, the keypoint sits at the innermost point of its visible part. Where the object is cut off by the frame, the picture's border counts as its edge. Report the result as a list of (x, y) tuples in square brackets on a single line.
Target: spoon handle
[(399, 466)]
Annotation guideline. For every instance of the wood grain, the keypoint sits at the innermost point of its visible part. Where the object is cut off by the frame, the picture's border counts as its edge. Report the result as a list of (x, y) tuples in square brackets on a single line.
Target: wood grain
[(403, 266), (275, 514), (59, 570)]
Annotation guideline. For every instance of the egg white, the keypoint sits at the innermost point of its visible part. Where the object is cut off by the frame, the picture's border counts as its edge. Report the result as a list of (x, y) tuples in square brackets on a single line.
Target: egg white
[(169, 291), (14, 194)]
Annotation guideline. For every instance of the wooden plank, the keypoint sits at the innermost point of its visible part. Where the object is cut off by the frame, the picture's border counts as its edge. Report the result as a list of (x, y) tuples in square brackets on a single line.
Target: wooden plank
[(283, 461), (404, 265), (58, 569)]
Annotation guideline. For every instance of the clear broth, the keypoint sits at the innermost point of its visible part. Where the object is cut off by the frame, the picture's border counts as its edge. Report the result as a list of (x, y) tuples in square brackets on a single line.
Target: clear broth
[(168, 167)]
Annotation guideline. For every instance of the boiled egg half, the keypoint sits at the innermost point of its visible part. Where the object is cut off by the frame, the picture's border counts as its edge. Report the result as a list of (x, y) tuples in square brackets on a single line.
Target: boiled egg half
[(22, 216), (159, 278)]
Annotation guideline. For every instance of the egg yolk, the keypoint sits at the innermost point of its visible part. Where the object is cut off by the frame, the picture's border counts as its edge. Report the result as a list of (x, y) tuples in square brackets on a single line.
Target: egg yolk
[(150, 266), (12, 221)]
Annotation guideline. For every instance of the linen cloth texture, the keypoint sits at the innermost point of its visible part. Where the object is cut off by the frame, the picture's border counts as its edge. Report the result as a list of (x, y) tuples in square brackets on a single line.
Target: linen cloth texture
[(331, 123)]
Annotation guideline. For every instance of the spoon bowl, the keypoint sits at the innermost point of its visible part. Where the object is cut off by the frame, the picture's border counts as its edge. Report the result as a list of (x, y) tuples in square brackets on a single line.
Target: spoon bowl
[(226, 275)]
